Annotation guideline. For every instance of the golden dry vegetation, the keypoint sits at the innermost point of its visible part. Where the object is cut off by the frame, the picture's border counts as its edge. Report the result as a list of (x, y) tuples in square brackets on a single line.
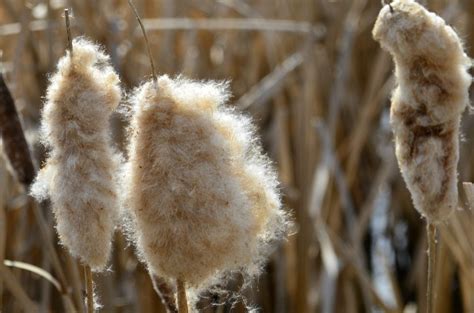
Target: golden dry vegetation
[(318, 87)]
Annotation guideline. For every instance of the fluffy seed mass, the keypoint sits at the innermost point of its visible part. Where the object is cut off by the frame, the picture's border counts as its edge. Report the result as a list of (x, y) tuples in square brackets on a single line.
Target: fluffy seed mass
[(79, 172), (203, 197), (432, 93)]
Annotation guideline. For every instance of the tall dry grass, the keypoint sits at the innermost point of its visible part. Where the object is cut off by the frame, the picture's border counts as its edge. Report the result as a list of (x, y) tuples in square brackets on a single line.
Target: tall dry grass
[(318, 85)]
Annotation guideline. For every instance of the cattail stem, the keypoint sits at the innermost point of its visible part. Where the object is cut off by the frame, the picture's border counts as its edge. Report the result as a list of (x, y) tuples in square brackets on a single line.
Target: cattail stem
[(430, 294), (89, 289), (68, 31), (165, 292), (387, 2), (182, 300), (147, 43)]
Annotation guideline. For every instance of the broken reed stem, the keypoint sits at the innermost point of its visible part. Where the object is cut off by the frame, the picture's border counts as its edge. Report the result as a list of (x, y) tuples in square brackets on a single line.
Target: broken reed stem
[(182, 300), (68, 31), (89, 289), (430, 293), (147, 43)]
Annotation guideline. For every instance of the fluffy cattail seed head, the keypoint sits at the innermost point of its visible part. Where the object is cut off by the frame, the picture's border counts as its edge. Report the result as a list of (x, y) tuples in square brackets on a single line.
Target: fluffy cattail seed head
[(203, 197), (432, 93), (79, 173)]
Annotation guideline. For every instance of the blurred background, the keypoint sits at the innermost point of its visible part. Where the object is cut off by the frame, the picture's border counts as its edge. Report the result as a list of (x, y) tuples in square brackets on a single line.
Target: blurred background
[(318, 87)]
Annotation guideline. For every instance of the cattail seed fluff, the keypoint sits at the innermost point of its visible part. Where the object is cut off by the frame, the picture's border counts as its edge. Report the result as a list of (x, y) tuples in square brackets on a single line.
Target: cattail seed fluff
[(203, 197), (431, 94), (79, 175)]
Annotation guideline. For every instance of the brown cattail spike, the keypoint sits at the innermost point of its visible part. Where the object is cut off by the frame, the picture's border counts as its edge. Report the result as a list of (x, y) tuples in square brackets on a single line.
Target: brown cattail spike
[(203, 197), (14, 142), (432, 93), (79, 175)]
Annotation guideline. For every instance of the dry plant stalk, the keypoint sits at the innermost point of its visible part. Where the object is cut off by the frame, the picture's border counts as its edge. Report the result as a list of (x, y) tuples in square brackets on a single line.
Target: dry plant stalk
[(182, 299), (79, 175), (164, 290), (432, 255), (203, 197), (432, 93), (89, 289)]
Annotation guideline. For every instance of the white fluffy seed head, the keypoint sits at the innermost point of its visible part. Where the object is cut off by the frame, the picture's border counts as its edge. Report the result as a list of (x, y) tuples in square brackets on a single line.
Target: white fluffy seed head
[(79, 174), (203, 197), (432, 93)]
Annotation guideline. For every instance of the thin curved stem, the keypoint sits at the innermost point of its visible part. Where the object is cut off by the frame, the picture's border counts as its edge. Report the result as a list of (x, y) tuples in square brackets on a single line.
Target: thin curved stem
[(36, 270), (147, 43)]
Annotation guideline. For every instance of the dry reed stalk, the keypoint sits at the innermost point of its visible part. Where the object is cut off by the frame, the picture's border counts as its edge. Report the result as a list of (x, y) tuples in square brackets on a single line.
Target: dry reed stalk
[(89, 289), (445, 268), (330, 163), (352, 258), (378, 89), (34, 269), (248, 24), (343, 62), (163, 24), (432, 255), (46, 235), (4, 194), (75, 281), (165, 292), (182, 299), (271, 84), (17, 290)]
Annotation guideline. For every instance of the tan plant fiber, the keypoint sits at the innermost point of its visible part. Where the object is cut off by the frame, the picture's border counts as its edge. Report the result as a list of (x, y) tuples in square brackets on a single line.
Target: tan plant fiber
[(203, 197), (432, 93), (79, 175)]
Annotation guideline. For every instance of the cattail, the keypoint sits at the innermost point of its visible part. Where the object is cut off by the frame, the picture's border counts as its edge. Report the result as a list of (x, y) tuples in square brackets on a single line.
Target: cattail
[(432, 93), (79, 173), (203, 197)]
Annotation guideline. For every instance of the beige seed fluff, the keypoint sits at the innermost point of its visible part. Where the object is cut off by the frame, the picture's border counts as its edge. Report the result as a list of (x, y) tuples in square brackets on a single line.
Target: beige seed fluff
[(432, 93), (203, 197), (79, 175)]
